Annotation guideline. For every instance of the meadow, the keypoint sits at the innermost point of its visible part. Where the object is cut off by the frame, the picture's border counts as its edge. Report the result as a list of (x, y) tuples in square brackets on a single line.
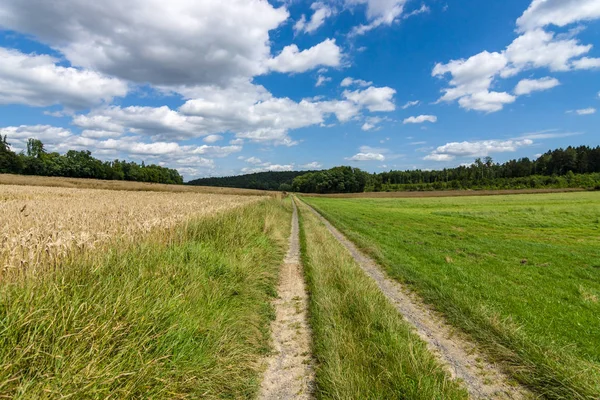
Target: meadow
[(520, 274), (363, 347)]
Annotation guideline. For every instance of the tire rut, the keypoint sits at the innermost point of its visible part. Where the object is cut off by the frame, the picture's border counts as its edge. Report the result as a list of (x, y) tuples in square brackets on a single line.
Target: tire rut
[(482, 379), (290, 371)]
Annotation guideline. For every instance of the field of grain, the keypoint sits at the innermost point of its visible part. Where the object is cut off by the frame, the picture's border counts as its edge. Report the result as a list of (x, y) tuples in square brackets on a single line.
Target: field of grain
[(78, 183), (128, 294), (519, 274), (44, 225)]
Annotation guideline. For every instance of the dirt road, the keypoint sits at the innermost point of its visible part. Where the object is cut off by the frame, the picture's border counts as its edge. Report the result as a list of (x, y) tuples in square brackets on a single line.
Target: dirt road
[(290, 373), (482, 379)]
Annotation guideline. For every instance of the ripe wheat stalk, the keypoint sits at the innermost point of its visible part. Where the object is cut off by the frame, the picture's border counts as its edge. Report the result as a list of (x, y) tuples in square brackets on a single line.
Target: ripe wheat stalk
[(43, 226)]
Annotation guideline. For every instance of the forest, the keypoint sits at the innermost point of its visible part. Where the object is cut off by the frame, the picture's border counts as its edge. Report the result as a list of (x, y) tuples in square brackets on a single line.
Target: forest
[(577, 167), (79, 164), (281, 180)]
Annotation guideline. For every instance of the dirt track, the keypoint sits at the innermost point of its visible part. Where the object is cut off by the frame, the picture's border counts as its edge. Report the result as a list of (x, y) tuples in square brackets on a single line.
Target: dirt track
[(482, 379), (290, 373)]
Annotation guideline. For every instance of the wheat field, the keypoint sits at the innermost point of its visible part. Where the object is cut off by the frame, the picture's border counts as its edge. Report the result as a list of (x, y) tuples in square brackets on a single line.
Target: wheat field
[(41, 226)]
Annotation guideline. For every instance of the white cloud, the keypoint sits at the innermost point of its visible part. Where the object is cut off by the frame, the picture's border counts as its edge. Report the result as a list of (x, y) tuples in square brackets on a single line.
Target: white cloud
[(586, 63), (411, 104), (213, 138), (379, 12), (322, 80), (312, 165), (18, 135), (371, 123), (557, 12), (480, 148), (179, 42), (373, 98), (351, 82), (269, 168), (291, 59), (586, 111), (527, 86), (471, 81), (421, 119), (321, 13), (253, 160), (541, 49), (367, 157), (422, 10), (37, 80)]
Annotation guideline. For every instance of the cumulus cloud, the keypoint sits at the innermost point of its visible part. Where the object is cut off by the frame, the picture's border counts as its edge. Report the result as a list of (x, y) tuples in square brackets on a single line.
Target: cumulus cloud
[(354, 82), (312, 165), (378, 12), (586, 63), (450, 151), (179, 42), (371, 123), (557, 12), (367, 157), (421, 119), (321, 13), (368, 153), (249, 111), (527, 86), (37, 80), (472, 79), (213, 138), (373, 98), (541, 49), (321, 80), (291, 59)]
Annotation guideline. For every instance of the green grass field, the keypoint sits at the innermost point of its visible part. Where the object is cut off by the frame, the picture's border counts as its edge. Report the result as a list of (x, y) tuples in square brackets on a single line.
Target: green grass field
[(363, 348), (520, 274), (188, 319)]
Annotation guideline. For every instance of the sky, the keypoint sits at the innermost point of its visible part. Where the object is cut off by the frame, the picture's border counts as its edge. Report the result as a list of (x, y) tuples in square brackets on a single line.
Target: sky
[(218, 88)]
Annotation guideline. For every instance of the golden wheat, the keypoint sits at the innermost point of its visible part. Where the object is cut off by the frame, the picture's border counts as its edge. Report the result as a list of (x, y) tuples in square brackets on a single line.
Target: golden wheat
[(41, 226)]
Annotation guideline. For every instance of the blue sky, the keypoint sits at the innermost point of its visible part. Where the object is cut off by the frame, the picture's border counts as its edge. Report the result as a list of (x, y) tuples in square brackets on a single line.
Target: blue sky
[(219, 88)]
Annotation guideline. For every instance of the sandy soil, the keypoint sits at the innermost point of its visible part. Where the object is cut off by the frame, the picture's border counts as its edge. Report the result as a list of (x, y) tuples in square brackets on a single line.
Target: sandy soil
[(483, 379), (290, 372)]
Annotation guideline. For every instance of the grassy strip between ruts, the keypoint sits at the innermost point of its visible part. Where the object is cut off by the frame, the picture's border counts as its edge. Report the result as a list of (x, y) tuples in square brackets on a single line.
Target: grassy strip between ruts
[(518, 273), (364, 349), (184, 320)]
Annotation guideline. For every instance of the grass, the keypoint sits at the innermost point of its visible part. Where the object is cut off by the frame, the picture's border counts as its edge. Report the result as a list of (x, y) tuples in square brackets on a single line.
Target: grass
[(521, 274), (185, 319), (363, 348)]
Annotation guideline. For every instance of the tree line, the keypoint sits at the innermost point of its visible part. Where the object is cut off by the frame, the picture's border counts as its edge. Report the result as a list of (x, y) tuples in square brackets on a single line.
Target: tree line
[(79, 164), (570, 167), (271, 180), (573, 167)]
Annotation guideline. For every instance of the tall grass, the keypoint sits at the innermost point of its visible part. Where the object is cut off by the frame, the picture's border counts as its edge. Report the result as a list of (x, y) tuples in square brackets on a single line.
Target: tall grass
[(518, 273), (188, 319), (364, 349)]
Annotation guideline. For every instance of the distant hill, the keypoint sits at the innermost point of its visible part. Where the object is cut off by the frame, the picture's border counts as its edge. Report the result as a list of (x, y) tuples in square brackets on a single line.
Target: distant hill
[(261, 180)]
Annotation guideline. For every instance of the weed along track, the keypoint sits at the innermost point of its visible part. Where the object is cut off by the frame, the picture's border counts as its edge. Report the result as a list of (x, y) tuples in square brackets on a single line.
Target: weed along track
[(483, 380), (290, 372)]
